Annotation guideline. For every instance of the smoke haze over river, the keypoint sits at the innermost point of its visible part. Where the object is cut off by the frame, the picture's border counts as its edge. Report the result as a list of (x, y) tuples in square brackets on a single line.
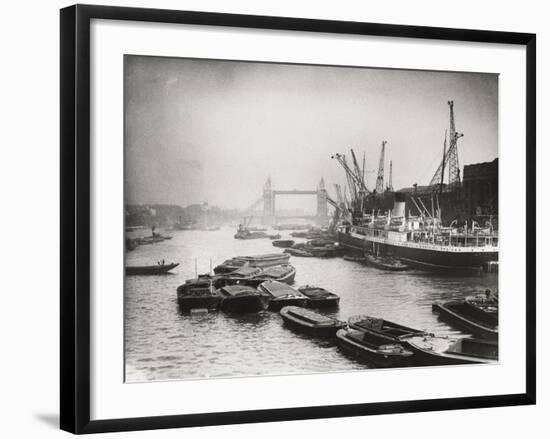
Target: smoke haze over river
[(213, 131)]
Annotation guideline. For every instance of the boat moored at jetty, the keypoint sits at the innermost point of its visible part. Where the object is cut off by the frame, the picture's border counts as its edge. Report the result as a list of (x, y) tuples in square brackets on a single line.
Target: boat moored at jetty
[(310, 322), (282, 295), (150, 269)]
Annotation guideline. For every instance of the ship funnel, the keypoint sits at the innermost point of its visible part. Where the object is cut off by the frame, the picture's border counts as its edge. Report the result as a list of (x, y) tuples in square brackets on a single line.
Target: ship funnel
[(399, 205)]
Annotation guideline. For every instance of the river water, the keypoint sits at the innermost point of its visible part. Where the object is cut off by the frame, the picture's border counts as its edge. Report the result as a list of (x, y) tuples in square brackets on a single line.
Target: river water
[(162, 344)]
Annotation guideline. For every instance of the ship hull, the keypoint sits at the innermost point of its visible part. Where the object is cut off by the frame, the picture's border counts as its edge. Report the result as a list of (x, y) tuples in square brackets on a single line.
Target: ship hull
[(442, 259)]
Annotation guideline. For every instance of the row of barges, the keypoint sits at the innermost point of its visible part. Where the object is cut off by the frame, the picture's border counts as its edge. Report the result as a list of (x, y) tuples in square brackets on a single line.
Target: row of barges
[(201, 293), (251, 284), (382, 343)]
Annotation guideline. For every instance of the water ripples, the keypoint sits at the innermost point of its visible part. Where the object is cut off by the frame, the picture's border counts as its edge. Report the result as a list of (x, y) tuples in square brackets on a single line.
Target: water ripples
[(163, 344)]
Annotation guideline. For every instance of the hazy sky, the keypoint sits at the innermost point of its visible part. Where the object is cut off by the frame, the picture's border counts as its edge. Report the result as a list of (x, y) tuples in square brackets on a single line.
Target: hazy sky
[(213, 131)]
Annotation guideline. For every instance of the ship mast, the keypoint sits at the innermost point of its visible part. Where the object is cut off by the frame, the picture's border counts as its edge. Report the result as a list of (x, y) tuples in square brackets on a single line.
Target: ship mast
[(390, 184), (443, 162), (380, 177)]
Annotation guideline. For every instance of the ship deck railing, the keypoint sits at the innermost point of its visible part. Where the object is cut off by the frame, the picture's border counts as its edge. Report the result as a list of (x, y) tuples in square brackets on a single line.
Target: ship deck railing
[(458, 247)]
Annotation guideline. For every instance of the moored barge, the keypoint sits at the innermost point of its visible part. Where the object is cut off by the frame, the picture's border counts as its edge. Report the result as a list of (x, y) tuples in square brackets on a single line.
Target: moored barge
[(309, 322)]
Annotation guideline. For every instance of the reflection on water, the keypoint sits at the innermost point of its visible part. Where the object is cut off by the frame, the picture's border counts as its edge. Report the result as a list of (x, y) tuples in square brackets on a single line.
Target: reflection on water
[(163, 344)]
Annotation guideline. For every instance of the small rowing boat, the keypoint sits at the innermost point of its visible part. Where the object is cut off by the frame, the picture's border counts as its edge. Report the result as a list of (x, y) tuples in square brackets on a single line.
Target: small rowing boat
[(150, 269)]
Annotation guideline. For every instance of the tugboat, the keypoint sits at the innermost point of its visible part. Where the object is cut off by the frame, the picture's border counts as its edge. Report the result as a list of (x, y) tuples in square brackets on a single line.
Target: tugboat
[(385, 263), (246, 232)]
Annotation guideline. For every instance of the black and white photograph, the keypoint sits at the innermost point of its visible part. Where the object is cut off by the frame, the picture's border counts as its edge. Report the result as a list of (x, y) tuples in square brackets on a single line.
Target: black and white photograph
[(288, 219), (275, 219)]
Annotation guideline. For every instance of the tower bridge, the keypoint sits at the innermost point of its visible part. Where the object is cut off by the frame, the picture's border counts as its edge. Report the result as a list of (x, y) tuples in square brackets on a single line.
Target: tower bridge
[(269, 213)]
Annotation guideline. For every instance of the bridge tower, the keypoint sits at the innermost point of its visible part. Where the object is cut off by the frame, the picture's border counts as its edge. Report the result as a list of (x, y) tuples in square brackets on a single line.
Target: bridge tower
[(269, 204), (322, 204)]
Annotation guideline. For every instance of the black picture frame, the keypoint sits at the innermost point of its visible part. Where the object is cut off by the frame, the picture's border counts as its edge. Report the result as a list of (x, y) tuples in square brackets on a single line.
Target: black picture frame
[(75, 217)]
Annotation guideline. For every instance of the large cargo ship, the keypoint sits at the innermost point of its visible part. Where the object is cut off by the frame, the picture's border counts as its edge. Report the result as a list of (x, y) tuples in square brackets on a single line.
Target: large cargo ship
[(421, 241)]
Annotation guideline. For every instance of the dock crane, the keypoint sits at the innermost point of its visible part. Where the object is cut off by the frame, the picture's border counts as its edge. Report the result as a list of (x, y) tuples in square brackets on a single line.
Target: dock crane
[(352, 179), (360, 173), (339, 196), (380, 177), (450, 158), (356, 180), (390, 184), (342, 202)]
